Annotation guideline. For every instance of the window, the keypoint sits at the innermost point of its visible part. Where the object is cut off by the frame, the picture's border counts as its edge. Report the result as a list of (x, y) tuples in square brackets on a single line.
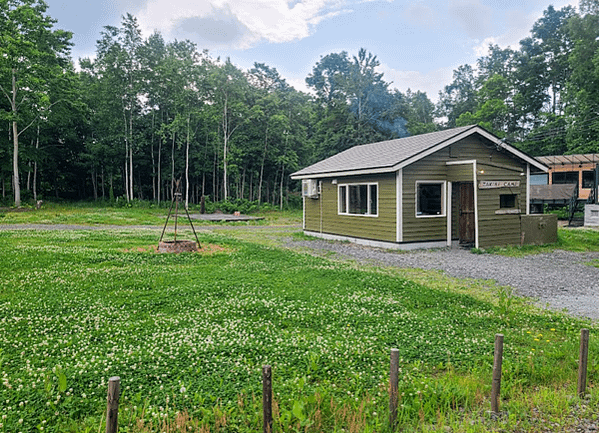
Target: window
[(539, 179), (565, 177), (342, 192), (507, 201), (430, 199), (358, 199), (588, 179)]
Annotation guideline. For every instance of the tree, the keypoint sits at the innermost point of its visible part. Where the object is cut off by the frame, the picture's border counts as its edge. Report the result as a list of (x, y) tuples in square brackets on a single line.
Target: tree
[(230, 87), (356, 105), (32, 54), (546, 53), (459, 96), (119, 70), (420, 113), (583, 86), (328, 76)]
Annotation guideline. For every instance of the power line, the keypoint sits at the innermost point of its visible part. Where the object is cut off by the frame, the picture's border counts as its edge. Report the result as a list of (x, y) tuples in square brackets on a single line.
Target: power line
[(559, 131)]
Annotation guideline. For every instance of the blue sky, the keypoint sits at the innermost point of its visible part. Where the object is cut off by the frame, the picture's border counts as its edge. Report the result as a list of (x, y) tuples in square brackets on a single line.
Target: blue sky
[(418, 43)]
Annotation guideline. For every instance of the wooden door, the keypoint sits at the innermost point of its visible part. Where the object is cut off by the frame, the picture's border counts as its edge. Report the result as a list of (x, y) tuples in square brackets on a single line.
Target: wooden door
[(466, 213)]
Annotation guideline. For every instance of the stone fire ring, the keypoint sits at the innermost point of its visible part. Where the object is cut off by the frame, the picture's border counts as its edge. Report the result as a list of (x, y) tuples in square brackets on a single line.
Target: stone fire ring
[(179, 246)]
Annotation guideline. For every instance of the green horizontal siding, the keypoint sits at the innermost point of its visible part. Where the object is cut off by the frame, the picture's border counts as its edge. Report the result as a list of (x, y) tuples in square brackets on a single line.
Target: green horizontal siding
[(326, 219), (321, 214), (417, 229), (494, 229)]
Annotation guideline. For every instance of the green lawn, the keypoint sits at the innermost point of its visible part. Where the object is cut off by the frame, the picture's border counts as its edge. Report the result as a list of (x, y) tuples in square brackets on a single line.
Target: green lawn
[(189, 333), (96, 215)]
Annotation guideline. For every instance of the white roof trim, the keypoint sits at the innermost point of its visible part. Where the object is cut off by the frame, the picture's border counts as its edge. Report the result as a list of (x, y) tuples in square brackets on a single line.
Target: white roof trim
[(346, 173), (433, 149), (428, 152), (513, 150)]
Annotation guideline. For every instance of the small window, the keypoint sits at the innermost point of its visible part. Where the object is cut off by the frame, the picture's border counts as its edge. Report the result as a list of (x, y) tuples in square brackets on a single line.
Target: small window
[(507, 201), (430, 199), (588, 179), (564, 177), (358, 199)]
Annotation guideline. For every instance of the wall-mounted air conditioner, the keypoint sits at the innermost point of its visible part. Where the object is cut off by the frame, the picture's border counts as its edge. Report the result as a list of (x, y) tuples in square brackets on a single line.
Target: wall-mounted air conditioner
[(310, 188)]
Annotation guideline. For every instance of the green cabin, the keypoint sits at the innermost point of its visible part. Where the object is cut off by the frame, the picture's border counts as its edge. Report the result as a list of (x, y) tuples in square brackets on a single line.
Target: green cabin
[(459, 186)]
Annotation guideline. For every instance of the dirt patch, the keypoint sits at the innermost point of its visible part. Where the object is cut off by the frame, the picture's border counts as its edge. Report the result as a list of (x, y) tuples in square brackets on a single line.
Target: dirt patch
[(206, 249)]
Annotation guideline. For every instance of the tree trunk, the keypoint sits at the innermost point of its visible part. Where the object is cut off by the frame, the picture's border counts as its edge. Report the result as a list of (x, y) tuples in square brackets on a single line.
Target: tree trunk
[(131, 155), (126, 172), (37, 146), (282, 179), (262, 168), (29, 171), (159, 181), (225, 143), (173, 166), (243, 183), (187, 167), (15, 138), (15, 163), (153, 161), (95, 183), (102, 179)]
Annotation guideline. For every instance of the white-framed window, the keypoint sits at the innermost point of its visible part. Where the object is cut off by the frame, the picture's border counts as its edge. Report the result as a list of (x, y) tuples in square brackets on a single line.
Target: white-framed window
[(358, 199), (430, 198)]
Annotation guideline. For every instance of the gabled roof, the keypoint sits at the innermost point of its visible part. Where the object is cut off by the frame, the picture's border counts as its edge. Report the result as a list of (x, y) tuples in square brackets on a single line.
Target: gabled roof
[(392, 155)]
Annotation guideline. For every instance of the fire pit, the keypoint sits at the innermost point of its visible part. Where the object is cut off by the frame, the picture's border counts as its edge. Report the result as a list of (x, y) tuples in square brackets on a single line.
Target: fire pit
[(179, 246)]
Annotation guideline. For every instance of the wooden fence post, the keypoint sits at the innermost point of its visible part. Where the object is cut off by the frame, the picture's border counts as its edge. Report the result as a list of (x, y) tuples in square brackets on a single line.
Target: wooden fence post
[(267, 398), (496, 386), (583, 362), (393, 388), (112, 406)]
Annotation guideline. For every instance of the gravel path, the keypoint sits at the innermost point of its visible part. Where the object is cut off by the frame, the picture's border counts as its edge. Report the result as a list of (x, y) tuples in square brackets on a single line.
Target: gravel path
[(560, 280)]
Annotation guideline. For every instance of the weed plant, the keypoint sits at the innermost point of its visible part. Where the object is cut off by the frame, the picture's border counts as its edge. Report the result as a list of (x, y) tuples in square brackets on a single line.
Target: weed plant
[(189, 333)]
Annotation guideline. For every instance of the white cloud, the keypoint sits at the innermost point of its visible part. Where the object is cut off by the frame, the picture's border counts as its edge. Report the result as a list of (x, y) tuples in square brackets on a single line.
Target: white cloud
[(236, 23), (473, 16), (421, 14), (431, 82), (299, 84)]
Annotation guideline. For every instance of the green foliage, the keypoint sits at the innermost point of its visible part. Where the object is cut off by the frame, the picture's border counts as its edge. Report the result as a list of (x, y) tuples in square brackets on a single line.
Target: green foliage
[(146, 111), (188, 335), (33, 65)]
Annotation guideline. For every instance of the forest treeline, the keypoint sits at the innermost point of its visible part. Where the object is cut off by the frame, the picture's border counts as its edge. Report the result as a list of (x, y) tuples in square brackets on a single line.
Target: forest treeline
[(146, 111)]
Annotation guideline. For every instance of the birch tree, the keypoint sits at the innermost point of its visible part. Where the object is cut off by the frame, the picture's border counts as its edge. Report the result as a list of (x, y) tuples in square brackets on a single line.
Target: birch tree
[(32, 54)]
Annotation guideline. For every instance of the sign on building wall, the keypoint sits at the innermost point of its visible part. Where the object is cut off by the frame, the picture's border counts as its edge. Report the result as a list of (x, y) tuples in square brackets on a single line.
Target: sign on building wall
[(488, 184)]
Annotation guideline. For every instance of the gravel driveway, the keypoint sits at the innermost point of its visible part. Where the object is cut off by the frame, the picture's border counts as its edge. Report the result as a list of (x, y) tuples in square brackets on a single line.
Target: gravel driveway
[(561, 280)]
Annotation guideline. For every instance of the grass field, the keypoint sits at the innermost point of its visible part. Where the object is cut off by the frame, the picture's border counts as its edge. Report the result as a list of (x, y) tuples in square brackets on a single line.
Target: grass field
[(189, 333), (96, 215)]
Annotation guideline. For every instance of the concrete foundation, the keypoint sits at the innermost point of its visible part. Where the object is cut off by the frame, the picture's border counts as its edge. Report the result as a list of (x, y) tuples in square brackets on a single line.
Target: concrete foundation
[(591, 215)]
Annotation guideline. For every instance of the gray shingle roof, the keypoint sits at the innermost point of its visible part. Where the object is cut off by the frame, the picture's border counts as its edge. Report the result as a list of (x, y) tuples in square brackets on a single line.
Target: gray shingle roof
[(384, 154), (387, 156)]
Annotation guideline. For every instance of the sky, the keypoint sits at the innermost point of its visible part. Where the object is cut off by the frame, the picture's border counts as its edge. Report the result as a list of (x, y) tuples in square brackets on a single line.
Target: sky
[(418, 43)]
